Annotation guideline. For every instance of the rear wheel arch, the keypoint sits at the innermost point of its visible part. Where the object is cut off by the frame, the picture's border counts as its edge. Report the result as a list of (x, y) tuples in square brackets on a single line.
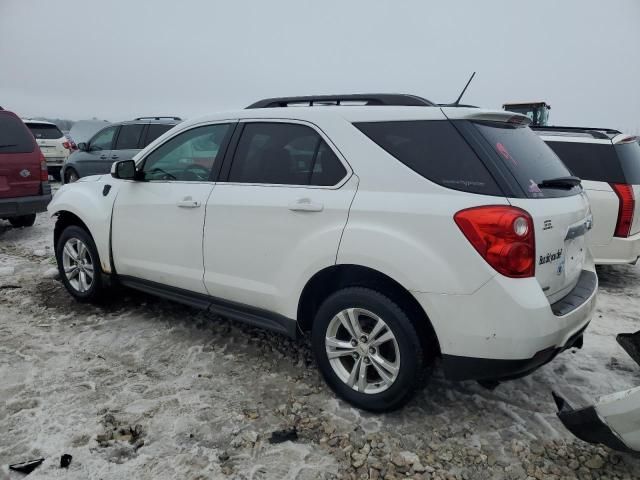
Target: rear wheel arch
[(338, 277)]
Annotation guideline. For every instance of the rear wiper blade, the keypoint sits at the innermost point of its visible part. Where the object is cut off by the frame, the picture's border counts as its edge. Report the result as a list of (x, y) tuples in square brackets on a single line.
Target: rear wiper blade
[(560, 182), (8, 145)]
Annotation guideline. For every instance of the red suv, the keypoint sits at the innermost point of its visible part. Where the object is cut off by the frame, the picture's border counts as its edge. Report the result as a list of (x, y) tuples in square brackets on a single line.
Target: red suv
[(24, 185)]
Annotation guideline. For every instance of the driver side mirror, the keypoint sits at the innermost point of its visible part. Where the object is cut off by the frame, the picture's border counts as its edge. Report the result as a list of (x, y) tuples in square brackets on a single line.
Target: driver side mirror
[(124, 170), (83, 146)]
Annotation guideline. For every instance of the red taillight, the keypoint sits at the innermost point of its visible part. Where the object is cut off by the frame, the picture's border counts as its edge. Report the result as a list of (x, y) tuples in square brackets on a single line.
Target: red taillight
[(66, 145), (503, 236), (625, 210), (44, 171)]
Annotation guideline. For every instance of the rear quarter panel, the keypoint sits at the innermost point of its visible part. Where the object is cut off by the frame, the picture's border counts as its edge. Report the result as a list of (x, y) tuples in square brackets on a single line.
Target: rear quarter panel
[(604, 207)]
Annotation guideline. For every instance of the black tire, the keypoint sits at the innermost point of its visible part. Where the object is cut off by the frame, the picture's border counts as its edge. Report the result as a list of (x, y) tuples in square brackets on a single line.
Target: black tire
[(55, 173), (70, 175), (414, 363), (23, 220), (97, 287)]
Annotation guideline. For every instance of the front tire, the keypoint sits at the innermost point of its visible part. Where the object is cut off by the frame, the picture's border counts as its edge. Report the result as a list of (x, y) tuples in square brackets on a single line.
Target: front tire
[(23, 220), (368, 350), (79, 264)]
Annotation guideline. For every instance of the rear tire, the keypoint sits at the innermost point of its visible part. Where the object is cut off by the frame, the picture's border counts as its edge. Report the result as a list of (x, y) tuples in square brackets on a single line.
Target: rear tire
[(70, 175), (23, 220), (55, 173), (387, 347), (79, 264)]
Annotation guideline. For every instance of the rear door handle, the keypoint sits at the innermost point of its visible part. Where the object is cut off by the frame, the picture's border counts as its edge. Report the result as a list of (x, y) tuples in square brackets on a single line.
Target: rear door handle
[(114, 156), (305, 205), (188, 202)]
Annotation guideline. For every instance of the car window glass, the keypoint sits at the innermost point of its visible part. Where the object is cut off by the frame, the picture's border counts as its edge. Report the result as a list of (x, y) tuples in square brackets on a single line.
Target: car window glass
[(129, 136), (435, 150), (103, 139), (189, 156), (14, 136), (590, 161), (44, 131), (155, 130), (283, 154)]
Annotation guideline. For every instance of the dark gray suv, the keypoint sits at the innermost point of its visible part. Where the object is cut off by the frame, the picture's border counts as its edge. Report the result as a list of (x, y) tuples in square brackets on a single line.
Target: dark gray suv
[(117, 141)]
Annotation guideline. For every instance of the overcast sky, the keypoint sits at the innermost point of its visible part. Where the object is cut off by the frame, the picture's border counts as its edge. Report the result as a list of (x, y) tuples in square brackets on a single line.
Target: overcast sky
[(118, 59)]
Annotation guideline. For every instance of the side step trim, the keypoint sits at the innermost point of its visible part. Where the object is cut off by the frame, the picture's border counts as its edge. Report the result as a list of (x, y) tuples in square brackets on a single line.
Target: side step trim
[(236, 311)]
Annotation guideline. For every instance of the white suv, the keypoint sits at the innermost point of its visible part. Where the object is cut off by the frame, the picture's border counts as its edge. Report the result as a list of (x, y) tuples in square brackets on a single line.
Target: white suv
[(608, 162), (393, 230), (54, 144)]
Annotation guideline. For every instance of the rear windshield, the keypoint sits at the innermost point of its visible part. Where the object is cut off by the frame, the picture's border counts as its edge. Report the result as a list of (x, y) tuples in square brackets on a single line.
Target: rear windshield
[(601, 162), (527, 157), (435, 150), (14, 136), (44, 131)]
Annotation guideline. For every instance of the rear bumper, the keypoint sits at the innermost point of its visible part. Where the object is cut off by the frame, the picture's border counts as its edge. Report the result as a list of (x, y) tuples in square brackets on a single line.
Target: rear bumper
[(14, 207), (619, 251), (507, 329)]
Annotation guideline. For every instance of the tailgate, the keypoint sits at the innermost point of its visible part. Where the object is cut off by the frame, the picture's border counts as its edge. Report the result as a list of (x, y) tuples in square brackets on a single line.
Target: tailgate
[(635, 225), (19, 174), (560, 225)]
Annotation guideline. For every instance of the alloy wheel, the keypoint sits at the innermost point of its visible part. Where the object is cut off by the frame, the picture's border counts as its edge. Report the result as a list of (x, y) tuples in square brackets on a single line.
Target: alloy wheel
[(362, 350), (77, 264)]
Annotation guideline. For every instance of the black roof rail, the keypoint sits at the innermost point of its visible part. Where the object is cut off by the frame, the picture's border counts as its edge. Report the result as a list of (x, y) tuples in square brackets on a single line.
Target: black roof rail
[(396, 99), (162, 117), (603, 133)]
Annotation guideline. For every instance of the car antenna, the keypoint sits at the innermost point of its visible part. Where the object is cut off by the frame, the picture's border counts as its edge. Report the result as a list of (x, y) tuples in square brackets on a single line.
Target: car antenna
[(457, 102)]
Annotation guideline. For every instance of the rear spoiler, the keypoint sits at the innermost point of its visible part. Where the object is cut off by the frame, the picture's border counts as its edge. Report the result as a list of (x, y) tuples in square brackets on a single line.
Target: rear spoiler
[(624, 138), (460, 113)]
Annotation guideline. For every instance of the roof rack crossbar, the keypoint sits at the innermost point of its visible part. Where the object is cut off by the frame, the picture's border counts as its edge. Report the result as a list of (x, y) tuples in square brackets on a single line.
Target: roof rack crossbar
[(396, 99), (161, 117)]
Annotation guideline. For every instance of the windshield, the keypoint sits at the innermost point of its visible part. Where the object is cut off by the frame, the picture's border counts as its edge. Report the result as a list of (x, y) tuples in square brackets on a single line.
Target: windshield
[(527, 157), (44, 131)]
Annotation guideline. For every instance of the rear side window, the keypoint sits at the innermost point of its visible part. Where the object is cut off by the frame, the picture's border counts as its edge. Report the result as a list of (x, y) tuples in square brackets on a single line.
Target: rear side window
[(284, 154), (435, 150), (44, 131), (590, 161), (155, 130), (14, 136), (129, 136), (527, 157)]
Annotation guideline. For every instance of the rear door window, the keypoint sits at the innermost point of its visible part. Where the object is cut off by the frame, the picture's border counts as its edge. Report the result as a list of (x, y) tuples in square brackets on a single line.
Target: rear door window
[(435, 150), (155, 130), (44, 131), (590, 161), (129, 136), (527, 157), (14, 136), (284, 154)]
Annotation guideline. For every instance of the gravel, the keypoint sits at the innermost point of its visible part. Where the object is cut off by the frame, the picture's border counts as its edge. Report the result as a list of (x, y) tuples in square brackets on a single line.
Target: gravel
[(147, 389)]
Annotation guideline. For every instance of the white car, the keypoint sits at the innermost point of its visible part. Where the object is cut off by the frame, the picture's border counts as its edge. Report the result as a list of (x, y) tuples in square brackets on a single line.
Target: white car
[(390, 229), (54, 144), (608, 162)]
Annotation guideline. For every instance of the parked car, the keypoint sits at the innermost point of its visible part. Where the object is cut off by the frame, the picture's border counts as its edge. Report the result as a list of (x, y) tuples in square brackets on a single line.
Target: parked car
[(54, 144), (24, 186), (113, 142), (392, 231), (608, 162)]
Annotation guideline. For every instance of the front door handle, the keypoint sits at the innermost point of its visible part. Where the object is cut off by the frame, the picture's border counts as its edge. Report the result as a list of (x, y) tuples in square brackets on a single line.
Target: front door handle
[(305, 205), (103, 157), (188, 202)]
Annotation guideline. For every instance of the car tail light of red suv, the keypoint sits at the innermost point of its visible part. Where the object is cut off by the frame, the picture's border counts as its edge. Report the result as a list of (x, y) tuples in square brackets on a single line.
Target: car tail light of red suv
[(503, 236), (625, 210)]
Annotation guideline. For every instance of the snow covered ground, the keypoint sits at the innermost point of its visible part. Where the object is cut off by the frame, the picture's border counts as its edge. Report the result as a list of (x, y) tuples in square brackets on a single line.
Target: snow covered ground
[(141, 388)]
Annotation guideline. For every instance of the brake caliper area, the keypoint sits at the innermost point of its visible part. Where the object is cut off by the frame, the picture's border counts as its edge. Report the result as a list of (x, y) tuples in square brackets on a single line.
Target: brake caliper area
[(614, 420)]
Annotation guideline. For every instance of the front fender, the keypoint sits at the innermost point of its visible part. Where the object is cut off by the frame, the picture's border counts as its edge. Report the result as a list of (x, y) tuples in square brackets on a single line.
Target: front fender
[(92, 202)]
